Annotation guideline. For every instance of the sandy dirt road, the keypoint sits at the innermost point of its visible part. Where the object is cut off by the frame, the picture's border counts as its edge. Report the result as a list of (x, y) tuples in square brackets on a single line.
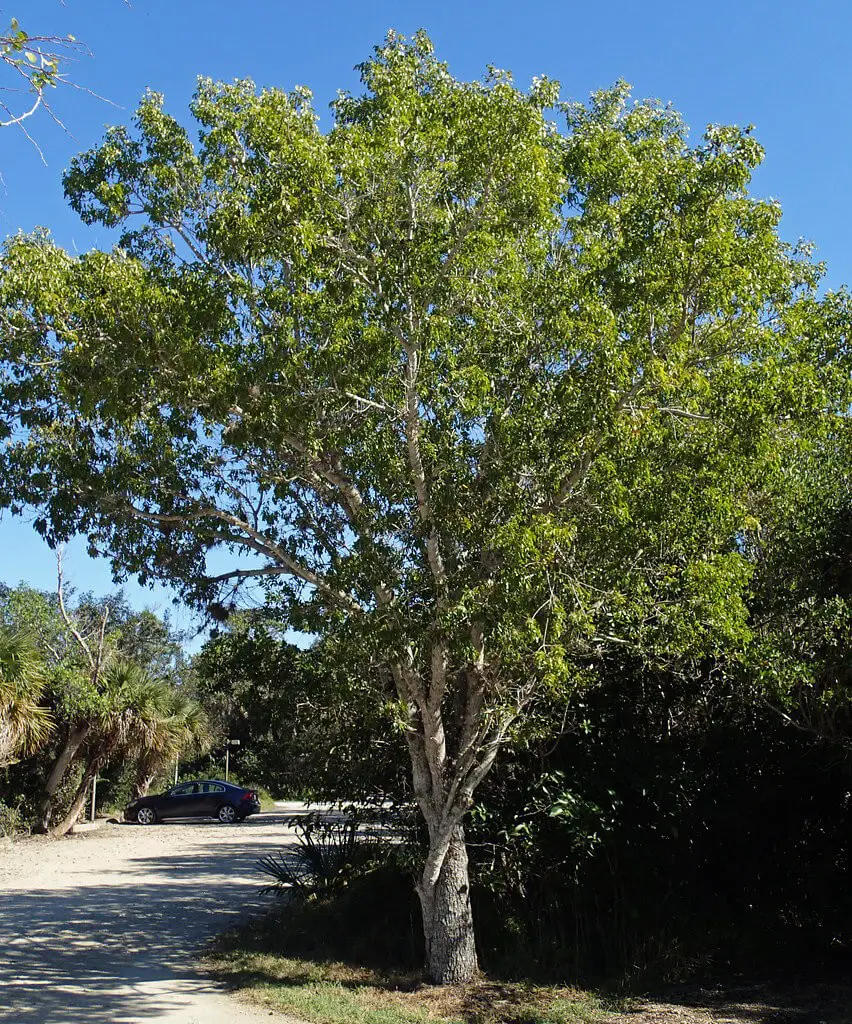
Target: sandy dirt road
[(105, 927)]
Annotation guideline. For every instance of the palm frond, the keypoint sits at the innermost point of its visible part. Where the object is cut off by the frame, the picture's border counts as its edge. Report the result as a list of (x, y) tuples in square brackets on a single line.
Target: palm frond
[(24, 724)]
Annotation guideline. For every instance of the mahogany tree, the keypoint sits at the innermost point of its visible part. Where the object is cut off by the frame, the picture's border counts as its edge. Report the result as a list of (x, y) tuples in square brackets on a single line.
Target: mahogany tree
[(472, 392)]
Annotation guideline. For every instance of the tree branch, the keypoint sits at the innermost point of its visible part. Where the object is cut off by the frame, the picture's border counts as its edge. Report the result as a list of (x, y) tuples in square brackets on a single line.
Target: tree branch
[(66, 618), (255, 541)]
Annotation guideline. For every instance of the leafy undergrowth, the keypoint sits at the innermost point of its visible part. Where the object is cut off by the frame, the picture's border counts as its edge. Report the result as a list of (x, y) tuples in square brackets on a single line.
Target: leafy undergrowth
[(352, 956)]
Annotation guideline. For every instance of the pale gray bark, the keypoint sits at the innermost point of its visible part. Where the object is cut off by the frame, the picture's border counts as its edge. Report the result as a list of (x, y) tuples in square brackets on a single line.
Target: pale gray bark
[(447, 919), (145, 776), (72, 815)]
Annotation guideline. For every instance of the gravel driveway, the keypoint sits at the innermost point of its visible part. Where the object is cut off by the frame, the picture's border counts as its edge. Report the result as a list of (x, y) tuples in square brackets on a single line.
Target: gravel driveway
[(104, 928)]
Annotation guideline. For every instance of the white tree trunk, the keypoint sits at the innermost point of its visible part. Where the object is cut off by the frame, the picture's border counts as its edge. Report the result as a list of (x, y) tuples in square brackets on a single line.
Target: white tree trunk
[(447, 918), (142, 783)]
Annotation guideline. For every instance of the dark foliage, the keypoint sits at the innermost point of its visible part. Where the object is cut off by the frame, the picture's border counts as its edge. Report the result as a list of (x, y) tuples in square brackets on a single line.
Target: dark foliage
[(373, 921), (309, 726), (673, 840), (656, 844)]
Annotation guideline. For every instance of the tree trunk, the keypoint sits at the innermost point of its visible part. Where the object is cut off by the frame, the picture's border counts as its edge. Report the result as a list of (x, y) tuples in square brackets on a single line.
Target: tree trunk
[(70, 820), (447, 918), (92, 768), (7, 743), (83, 790), (57, 773), (141, 784)]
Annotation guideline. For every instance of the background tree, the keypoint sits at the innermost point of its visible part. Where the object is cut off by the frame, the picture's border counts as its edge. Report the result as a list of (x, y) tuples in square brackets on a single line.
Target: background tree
[(802, 605), (137, 717), (179, 729), (75, 696), (479, 397), (308, 721), (25, 724), (85, 702)]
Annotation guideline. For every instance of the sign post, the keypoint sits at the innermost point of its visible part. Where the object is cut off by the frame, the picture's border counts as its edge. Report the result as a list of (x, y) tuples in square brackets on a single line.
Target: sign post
[(230, 743)]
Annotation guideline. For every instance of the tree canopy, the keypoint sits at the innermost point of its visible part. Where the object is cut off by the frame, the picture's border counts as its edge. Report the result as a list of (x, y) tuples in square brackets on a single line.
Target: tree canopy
[(476, 383)]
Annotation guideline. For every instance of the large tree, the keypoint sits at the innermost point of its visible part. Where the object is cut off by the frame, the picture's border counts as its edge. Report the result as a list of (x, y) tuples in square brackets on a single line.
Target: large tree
[(474, 394)]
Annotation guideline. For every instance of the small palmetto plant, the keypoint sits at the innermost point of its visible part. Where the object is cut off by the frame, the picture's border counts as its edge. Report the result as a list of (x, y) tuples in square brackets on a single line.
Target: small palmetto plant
[(330, 853)]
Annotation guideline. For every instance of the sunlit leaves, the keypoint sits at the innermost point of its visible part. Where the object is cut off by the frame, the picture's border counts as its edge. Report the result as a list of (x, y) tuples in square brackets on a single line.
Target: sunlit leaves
[(614, 356)]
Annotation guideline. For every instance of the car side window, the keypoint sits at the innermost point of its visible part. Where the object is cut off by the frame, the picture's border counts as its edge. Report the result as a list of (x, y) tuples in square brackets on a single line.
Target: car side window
[(211, 787), (187, 790)]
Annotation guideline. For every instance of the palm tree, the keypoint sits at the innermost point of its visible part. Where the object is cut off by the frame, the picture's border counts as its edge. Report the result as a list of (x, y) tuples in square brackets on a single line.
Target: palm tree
[(138, 716), (184, 728), (25, 724)]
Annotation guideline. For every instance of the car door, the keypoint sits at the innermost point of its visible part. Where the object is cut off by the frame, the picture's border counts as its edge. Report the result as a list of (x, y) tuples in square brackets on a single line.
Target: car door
[(182, 801), (214, 794)]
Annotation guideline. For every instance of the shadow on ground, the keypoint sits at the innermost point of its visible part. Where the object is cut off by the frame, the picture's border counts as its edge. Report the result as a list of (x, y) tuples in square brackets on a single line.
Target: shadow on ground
[(122, 946), (799, 1001)]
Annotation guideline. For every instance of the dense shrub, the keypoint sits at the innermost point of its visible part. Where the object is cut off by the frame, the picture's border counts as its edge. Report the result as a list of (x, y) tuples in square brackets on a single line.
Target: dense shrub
[(331, 852), (12, 821), (374, 921), (634, 851), (665, 840)]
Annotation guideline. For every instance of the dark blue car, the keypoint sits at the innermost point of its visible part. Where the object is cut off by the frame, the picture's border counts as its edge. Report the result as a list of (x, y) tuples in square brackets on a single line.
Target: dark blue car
[(208, 798)]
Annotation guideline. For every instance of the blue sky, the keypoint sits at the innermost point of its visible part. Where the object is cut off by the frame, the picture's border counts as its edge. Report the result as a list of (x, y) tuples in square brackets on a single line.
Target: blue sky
[(782, 66)]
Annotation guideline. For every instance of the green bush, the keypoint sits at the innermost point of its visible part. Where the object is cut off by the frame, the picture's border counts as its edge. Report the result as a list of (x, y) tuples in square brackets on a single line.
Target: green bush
[(331, 852), (12, 821)]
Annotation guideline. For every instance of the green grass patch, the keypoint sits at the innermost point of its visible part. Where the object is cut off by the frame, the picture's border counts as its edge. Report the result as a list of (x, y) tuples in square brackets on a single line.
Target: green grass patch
[(354, 958), (329, 992), (267, 800)]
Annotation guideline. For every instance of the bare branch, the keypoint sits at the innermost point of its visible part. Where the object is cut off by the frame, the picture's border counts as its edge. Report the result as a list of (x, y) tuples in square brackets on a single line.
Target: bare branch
[(684, 413), (66, 618), (96, 660), (39, 63)]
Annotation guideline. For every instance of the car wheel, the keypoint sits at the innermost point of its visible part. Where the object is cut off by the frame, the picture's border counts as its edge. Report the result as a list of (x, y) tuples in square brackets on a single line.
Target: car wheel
[(227, 814), (146, 816)]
